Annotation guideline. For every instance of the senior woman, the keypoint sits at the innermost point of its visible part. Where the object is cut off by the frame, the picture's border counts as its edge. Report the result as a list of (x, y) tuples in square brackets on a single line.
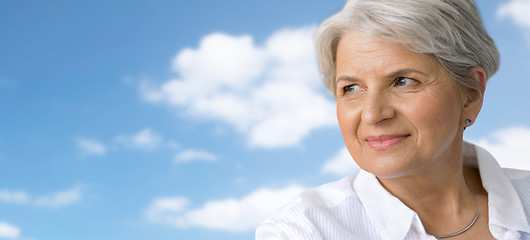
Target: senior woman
[(409, 77)]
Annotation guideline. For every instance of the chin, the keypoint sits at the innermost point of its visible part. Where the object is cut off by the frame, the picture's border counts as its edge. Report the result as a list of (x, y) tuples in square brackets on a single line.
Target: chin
[(387, 167)]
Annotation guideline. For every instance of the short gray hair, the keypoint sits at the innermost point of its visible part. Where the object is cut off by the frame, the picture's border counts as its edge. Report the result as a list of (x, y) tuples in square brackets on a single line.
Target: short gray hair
[(450, 30)]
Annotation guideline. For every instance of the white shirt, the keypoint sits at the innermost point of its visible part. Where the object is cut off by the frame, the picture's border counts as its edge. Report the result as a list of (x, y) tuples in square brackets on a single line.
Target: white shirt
[(358, 207)]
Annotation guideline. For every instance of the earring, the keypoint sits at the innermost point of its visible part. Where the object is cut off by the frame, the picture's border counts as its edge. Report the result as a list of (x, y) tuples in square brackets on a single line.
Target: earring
[(468, 121)]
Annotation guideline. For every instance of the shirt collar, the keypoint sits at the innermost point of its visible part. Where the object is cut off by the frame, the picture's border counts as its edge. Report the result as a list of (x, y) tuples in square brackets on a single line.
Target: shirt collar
[(504, 205), (390, 216)]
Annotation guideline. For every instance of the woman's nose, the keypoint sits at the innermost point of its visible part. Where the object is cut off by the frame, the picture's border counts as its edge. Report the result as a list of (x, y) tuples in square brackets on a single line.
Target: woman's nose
[(377, 107)]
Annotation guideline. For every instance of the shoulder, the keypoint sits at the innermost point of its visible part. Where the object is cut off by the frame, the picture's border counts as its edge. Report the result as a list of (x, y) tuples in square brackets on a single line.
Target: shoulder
[(323, 198), (328, 195), (517, 174), (520, 180), (308, 215)]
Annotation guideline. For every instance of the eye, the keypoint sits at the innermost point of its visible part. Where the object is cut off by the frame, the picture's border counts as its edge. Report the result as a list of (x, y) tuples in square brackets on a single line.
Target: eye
[(402, 81), (351, 88)]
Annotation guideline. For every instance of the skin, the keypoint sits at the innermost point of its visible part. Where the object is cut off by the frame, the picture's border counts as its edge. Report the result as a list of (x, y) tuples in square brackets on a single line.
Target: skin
[(402, 118)]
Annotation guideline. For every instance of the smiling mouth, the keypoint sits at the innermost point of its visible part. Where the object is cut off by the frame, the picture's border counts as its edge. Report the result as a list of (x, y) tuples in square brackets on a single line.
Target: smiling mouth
[(384, 142)]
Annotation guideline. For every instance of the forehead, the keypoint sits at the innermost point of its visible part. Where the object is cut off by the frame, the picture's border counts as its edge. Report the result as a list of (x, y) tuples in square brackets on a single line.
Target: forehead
[(363, 52)]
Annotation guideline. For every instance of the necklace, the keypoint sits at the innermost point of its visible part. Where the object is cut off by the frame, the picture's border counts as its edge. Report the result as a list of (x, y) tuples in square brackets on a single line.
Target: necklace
[(467, 227)]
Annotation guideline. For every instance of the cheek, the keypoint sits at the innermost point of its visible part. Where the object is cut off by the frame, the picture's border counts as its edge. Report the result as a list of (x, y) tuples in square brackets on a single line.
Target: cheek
[(348, 119), (434, 116)]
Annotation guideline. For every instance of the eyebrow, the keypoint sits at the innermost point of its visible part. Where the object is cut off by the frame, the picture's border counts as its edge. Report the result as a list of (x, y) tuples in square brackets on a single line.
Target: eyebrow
[(405, 71), (345, 79), (397, 73)]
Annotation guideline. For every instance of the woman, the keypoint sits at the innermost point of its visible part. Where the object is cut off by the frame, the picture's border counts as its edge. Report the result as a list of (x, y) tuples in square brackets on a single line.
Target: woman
[(409, 77)]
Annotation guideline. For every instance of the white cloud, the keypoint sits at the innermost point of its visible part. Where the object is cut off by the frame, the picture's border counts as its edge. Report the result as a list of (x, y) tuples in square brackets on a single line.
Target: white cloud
[(91, 147), (228, 214), (194, 155), (13, 196), (146, 139), (517, 10), (9, 231), (173, 145), (54, 200), (164, 210), (60, 199), (272, 93), (511, 147), (341, 164)]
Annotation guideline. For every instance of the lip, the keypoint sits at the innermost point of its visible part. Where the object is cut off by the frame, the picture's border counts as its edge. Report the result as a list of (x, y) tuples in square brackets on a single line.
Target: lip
[(384, 142)]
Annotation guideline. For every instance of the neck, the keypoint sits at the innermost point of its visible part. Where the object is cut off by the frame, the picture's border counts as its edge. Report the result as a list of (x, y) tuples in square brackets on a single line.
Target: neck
[(420, 193), (441, 184)]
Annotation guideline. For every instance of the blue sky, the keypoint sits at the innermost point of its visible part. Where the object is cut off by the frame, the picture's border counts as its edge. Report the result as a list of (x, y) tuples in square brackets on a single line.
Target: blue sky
[(190, 120)]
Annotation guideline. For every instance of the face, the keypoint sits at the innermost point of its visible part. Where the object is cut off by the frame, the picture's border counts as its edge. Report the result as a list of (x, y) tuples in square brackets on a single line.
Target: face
[(399, 111)]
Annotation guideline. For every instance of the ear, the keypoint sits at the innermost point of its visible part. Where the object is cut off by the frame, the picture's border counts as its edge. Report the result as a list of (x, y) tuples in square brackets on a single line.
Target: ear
[(473, 100)]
